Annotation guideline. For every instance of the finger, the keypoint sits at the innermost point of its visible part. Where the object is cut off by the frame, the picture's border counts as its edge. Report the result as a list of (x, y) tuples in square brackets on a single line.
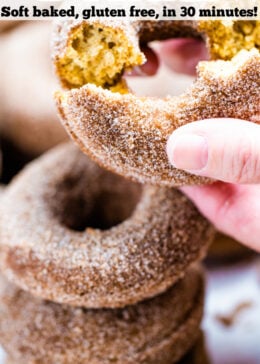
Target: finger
[(183, 55), (233, 209), (150, 67), (222, 149)]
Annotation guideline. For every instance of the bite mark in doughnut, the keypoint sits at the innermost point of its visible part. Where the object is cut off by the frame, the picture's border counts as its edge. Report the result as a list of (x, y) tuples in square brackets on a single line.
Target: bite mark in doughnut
[(110, 52), (131, 253), (100, 51), (160, 330), (227, 38), (127, 134)]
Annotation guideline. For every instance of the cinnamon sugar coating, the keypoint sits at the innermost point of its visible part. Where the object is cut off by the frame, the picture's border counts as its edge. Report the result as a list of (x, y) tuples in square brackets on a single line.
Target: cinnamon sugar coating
[(128, 134), (127, 253), (160, 330)]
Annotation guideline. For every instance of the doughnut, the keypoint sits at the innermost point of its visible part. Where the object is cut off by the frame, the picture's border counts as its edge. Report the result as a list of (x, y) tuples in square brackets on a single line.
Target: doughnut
[(193, 357), (159, 330), (127, 134), (28, 118), (198, 354), (74, 233), (6, 25)]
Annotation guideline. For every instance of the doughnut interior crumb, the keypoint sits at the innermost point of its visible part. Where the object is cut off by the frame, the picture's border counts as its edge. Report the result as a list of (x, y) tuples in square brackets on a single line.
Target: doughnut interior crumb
[(98, 54), (228, 37)]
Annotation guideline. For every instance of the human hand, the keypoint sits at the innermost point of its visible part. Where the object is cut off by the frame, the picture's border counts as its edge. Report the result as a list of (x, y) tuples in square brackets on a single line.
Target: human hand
[(227, 150)]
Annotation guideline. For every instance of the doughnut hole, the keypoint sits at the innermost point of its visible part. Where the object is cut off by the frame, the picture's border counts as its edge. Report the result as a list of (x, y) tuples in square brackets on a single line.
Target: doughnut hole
[(98, 202), (101, 54), (98, 54)]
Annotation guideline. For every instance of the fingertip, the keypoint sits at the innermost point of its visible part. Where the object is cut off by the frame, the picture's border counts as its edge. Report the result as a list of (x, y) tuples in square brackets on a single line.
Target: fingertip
[(169, 149), (183, 55), (152, 65)]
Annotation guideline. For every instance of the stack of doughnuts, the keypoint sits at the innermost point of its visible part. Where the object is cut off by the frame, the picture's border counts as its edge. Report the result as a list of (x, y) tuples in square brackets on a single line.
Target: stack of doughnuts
[(118, 260), (101, 267)]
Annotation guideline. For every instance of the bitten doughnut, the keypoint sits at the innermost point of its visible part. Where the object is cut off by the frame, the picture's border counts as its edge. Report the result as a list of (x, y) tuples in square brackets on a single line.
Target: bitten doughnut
[(160, 330), (127, 134), (28, 118), (76, 234)]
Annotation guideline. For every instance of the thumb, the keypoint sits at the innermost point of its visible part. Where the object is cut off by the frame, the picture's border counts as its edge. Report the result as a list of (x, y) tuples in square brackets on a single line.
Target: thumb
[(222, 149)]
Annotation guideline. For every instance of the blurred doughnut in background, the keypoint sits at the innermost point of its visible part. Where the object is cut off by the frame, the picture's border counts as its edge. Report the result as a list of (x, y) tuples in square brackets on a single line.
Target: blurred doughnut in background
[(28, 118), (6, 25)]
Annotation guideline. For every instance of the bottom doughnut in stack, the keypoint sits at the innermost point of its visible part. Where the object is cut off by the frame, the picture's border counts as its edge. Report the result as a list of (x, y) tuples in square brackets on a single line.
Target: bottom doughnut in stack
[(156, 331)]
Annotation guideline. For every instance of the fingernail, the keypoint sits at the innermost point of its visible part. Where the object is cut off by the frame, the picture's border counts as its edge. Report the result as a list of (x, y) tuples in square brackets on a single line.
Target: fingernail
[(188, 151)]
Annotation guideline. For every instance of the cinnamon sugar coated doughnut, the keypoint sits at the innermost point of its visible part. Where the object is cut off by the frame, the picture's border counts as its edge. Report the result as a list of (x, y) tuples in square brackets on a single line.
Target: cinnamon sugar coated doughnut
[(127, 134), (28, 118), (196, 355), (76, 234), (160, 330)]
